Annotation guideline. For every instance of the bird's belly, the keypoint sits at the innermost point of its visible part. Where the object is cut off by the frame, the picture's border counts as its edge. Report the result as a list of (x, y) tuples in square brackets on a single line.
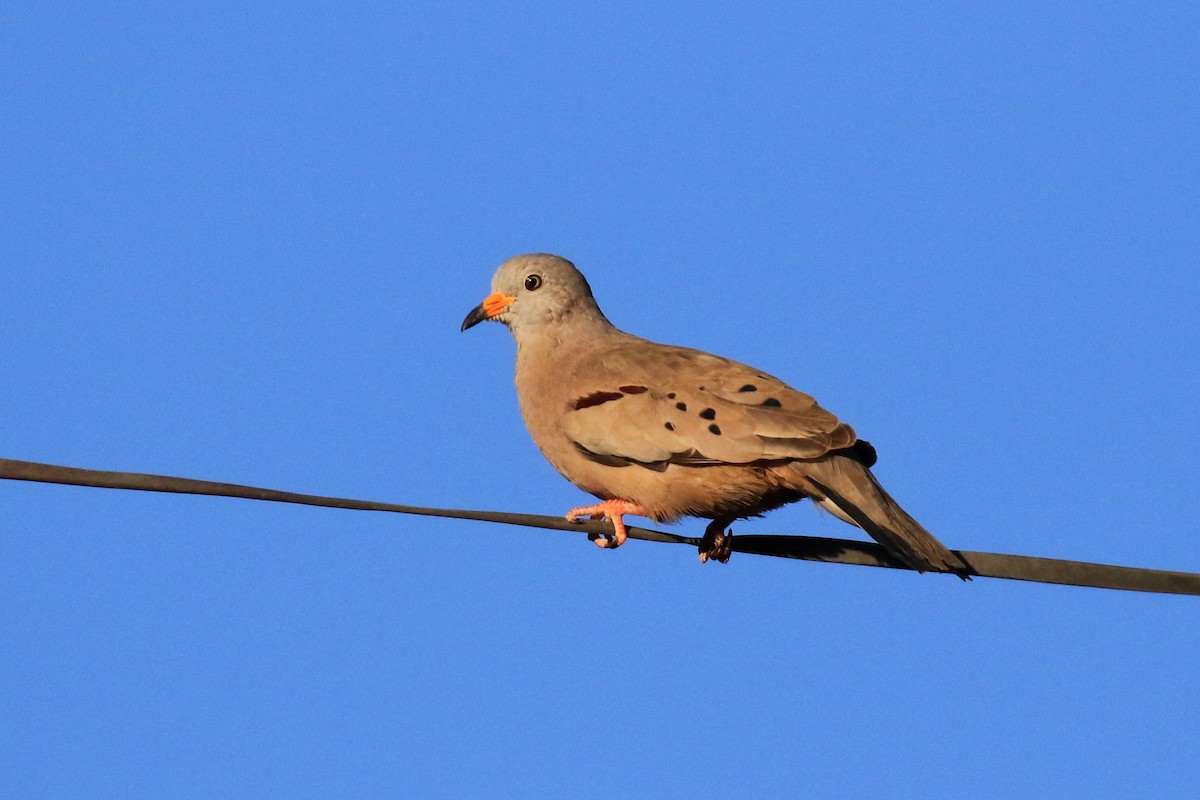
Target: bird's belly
[(723, 491)]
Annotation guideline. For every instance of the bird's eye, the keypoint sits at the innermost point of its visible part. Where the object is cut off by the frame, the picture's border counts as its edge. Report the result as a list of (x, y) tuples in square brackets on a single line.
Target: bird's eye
[(533, 282)]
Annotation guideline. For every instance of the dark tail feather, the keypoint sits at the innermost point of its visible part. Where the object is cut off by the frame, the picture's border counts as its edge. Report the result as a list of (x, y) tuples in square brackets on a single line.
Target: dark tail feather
[(855, 492)]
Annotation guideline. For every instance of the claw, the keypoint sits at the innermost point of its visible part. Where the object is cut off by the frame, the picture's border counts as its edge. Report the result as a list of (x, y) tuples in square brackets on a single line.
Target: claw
[(612, 510), (717, 543)]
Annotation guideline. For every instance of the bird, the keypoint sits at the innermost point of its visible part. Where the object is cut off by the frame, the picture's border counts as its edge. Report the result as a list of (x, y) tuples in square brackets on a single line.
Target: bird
[(665, 432)]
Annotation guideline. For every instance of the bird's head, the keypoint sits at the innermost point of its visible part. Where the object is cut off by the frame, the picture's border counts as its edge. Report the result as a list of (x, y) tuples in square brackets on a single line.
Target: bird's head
[(535, 290)]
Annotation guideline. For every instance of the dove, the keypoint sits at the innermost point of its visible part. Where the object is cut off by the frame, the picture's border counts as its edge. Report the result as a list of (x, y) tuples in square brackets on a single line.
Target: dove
[(666, 432)]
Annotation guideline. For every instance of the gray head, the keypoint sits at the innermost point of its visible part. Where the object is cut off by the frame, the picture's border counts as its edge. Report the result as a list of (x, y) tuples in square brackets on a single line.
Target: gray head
[(536, 290)]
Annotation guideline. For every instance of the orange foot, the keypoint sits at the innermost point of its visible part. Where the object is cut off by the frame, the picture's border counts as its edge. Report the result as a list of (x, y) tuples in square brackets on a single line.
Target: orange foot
[(612, 510)]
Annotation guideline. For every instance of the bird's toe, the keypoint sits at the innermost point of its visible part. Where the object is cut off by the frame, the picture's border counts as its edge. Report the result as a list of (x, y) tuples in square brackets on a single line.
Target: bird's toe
[(604, 540), (716, 545)]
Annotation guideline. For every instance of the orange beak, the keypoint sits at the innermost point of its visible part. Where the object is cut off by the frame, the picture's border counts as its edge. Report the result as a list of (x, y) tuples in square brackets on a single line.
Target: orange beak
[(491, 306)]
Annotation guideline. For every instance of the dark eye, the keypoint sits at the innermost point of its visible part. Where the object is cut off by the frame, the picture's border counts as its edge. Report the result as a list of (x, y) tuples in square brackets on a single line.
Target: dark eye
[(533, 282)]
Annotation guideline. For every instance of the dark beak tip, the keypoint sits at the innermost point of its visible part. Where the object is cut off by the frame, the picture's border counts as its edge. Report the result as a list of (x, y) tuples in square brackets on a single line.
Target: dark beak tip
[(476, 316)]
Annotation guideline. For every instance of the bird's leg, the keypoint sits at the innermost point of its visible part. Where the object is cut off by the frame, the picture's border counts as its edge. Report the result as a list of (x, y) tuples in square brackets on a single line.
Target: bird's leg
[(717, 543), (612, 510)]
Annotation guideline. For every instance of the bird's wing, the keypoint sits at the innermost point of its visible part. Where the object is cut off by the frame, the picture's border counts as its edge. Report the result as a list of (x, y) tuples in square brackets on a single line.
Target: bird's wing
[(654, 404)]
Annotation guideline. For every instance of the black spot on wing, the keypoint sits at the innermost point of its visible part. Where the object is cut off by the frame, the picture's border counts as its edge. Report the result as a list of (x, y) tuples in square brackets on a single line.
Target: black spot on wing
[(632, 389), (771, 402), (669, 426), (714, 430), (681, 406), (610, 461), (860, 451), (691, 458), (708, 413), (749, 387), (595, 399)]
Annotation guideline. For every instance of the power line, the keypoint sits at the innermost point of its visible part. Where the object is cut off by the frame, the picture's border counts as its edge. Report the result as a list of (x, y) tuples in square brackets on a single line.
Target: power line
[(807, 548)]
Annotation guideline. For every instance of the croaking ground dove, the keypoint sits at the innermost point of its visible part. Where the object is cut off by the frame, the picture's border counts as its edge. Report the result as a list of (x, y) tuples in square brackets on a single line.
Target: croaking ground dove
[(667, 432)]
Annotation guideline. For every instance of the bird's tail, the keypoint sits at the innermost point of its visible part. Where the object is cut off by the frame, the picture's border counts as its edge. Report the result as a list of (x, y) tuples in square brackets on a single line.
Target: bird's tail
[(848, 490)]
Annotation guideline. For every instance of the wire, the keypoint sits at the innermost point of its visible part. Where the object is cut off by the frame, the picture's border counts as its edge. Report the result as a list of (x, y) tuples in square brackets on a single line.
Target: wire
[(807, 548)]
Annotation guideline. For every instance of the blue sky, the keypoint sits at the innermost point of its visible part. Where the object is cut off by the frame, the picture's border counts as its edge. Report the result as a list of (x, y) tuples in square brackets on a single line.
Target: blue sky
[(237, 243)]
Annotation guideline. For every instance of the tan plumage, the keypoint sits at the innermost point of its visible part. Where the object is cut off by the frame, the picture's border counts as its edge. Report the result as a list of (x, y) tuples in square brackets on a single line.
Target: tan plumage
[(672, 432)]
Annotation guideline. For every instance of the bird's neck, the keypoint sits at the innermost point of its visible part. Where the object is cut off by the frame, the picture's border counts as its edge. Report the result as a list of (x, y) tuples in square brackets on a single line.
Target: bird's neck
[(567, 344), (570, 328)]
